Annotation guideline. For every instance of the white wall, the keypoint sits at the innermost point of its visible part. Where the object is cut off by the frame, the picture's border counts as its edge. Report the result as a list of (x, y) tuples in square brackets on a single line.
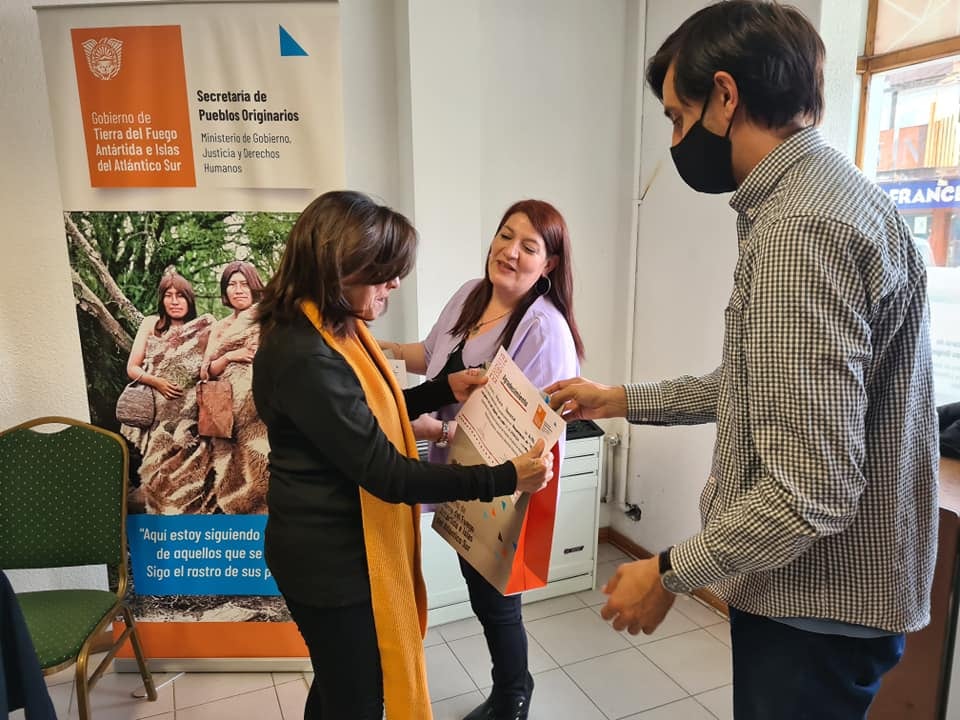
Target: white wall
[(452, 111), (843, 27), (534, 99), (40, 365), (687, 253), (686, 250), (376, 102), (41, 371), (514, 100)]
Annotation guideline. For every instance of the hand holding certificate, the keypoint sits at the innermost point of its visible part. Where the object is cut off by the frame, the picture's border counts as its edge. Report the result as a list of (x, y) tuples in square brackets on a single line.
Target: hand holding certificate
[(534, 469), (507, 540)]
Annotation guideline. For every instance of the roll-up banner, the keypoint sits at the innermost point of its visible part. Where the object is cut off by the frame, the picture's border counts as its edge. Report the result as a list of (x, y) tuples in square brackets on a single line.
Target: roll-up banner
[(188, 136)]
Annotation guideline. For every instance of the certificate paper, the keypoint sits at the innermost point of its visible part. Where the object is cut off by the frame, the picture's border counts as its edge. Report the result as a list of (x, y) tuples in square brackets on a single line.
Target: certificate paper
[(499, 421)]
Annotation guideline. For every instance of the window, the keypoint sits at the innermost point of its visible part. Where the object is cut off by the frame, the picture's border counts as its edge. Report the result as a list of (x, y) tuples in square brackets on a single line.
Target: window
[(909, 142)]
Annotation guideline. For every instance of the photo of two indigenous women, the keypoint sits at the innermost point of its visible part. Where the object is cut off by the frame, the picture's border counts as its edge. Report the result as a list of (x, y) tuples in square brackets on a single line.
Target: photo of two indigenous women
[(166, 305)]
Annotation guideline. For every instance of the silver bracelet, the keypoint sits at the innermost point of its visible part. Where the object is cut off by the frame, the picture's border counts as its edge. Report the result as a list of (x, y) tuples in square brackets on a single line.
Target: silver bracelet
[(444, 434)]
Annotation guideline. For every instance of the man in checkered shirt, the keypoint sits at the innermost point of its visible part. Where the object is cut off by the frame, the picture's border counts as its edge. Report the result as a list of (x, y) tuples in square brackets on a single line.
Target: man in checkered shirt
[(820, 514)]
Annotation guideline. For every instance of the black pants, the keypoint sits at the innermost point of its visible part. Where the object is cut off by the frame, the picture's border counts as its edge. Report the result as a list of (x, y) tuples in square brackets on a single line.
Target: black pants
[(347, 680), (503, 629)]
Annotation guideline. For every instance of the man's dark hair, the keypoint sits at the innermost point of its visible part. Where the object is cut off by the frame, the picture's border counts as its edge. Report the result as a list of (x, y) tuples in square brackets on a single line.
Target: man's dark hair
[(772, 51)]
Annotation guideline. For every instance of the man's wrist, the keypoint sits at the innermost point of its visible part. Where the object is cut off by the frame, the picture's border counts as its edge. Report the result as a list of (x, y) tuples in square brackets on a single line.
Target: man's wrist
[(693, 560), (663, 561), (643, 402), (619, 404), (668, 577)]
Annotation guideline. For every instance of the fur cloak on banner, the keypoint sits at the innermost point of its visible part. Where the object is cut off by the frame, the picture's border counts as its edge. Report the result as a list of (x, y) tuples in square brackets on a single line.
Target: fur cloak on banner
[(175, 471), (240, 462)]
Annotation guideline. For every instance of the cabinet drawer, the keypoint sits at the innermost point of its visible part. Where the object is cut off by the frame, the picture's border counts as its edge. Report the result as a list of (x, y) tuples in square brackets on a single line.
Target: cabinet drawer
[(578, 482), (574, 534), (580, 465), (581, 447)]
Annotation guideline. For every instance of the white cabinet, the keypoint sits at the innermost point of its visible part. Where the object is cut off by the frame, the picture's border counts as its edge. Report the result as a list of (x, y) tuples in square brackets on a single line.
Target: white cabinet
[(573, 559)]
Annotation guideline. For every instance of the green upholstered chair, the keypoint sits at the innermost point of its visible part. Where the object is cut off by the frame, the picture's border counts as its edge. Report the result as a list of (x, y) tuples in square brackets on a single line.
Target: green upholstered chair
[(62, 504)]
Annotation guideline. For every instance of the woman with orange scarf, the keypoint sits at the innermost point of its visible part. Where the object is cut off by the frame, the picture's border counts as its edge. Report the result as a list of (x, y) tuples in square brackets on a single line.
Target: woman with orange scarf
[(342, 537)]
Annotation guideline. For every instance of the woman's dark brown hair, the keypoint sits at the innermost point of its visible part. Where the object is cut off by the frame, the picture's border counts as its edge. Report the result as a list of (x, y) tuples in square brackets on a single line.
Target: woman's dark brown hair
[(249, 273), (341, 238), (550, 225), (175, 280)]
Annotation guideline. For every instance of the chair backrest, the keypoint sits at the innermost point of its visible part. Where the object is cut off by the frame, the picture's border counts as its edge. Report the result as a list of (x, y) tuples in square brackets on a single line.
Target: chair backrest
[(62, 495)]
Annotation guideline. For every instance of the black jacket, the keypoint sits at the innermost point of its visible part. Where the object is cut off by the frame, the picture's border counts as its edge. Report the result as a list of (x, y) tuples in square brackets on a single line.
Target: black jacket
[(324, 443), (21, 680)]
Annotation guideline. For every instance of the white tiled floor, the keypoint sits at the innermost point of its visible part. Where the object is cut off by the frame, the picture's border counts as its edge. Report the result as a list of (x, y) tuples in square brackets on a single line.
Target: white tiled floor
[(584, 670)]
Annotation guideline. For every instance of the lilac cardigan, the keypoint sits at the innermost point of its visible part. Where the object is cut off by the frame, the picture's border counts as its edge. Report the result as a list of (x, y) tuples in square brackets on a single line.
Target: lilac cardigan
[(542, 347)]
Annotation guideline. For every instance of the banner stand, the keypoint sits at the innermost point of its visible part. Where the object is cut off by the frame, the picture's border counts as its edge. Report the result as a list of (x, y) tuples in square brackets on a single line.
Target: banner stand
[(189, 136)]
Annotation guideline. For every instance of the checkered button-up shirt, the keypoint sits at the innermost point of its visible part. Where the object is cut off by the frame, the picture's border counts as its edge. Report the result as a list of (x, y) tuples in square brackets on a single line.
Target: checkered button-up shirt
[(822, 500)]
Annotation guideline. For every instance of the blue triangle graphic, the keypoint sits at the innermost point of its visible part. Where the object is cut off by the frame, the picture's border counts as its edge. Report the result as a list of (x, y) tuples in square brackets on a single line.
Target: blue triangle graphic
[(289, 46)]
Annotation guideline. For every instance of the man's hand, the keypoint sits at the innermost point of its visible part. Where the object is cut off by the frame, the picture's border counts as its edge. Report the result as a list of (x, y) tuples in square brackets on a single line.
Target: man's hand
[(465, 382), (637, 599), (580, 399)]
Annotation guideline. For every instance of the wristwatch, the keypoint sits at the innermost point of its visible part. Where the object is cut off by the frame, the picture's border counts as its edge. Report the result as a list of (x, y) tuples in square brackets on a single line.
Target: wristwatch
[(444, 435), (668, 578)]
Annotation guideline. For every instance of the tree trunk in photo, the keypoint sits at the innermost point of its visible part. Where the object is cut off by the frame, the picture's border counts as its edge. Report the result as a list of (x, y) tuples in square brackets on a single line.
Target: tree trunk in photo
[(105, 347), (115, 295), (91, 304)]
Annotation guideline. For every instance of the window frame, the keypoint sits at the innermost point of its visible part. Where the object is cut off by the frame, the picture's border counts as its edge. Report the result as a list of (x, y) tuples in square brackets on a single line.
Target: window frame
[(871, 63)]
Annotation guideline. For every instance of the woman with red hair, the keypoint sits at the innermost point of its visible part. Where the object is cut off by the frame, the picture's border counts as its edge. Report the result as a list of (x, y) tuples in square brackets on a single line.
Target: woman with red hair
[(524, 303)]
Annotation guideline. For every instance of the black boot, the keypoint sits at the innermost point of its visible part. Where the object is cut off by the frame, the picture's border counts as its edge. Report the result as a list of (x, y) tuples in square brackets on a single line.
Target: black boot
[(513, 708), (516, 708), (483, 711)]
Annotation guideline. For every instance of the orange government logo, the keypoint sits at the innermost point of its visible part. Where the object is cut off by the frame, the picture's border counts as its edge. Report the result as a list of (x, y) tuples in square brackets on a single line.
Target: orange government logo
[(539, 415), (103, 57)]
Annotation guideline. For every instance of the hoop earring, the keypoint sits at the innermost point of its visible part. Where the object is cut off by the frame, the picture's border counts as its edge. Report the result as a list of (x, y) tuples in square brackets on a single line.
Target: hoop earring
[(543, 285)]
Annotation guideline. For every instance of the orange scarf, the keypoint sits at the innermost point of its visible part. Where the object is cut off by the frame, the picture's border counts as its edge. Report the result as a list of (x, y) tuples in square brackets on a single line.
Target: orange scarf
[(391, 533)]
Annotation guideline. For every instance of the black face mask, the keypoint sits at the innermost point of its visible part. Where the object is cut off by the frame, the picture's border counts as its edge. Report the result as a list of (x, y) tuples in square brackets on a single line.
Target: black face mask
[(704, 159)]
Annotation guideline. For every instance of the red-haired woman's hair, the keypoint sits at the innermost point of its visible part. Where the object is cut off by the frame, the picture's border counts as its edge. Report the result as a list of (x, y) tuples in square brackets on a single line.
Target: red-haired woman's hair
[(550, 225)]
